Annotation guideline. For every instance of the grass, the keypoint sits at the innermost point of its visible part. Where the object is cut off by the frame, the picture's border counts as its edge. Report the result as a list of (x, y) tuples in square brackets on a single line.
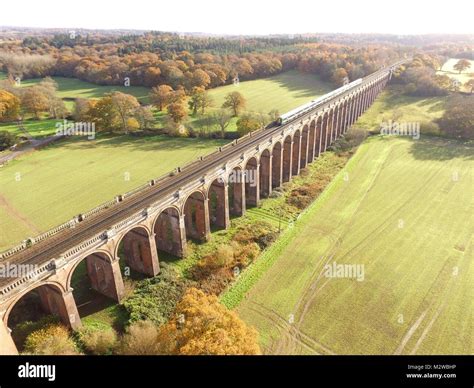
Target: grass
[(37, 128), (392, 104), (71, 88), (282, 92), (448, 69), (73, 176), (400, 215)]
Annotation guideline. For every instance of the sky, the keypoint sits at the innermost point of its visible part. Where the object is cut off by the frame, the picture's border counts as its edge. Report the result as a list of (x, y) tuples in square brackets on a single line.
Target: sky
[(246, 17)]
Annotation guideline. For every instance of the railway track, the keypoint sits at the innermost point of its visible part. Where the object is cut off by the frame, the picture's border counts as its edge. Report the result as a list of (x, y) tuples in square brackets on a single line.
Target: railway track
[(50, 248)]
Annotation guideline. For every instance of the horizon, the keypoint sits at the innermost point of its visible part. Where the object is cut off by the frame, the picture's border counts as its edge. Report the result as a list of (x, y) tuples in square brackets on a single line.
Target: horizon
[(250, 19)]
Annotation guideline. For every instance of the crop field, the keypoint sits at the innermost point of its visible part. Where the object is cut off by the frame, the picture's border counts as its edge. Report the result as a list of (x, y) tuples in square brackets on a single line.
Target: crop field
[(400, 215), (49, 186)]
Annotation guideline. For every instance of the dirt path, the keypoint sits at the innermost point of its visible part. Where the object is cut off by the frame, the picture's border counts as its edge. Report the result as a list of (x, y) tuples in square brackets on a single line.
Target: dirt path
[(30, 147)]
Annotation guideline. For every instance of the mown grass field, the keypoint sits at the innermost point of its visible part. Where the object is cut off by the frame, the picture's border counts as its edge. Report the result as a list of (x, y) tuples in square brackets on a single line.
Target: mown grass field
[(282, 92), (466, 75), (70, 177), (70, 88), (402, 209), (392, 104), (36, 128)]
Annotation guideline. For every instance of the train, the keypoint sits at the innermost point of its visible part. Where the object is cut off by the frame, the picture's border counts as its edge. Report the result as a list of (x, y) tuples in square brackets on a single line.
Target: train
[(303, 109)]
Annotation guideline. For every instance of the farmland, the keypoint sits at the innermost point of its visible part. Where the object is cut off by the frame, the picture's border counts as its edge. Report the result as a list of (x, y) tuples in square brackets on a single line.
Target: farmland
[(47, 187), (400, 210)]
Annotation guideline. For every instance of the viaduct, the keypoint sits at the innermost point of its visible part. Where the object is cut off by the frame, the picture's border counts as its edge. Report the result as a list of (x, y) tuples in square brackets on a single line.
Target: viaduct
[(162, 214)]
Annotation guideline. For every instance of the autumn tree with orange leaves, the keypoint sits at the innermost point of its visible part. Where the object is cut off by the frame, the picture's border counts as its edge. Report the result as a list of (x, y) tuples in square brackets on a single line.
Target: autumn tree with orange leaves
[(203, 326)]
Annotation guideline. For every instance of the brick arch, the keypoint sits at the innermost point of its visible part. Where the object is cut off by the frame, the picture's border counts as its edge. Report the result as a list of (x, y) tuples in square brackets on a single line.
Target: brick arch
[(103, 273), (318, 136), (236, 191), (106, 254), (252, 186), (287, 159), (196, 215), (265, 173), (304, 146), (277, 160), (218, 203), (139, 249), (312, 140), (343, 117), (325, 140), (12, 303), (295, 161), (169, 231)]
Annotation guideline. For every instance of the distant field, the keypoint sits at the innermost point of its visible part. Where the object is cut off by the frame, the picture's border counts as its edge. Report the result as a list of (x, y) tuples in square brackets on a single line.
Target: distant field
[(401, 210), (282, 92), (391, 104), (70, 88), (36, 128), (73, 176), (448, 69)]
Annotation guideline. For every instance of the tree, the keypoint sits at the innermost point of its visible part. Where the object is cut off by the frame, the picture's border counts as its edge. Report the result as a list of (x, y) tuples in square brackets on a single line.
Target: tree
[(199, 100), (200, 79), (202, 326), (125, 105), (458, 118), (274, 114), (35, 101), (462, 65), (9, 106), (177, 112), (195, 99), (339, 76), (222, 119), (82, 107), (7, 139), (470, 84), (144, 117), (103, 114), (234, 101), (160, 96), (247, 124)]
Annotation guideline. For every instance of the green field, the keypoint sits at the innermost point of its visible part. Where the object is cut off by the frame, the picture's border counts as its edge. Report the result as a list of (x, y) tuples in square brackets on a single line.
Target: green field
[(36, 128), (70, 88), (282, 92), (392, 104), (448, 69), (401, 210), (70, 177)]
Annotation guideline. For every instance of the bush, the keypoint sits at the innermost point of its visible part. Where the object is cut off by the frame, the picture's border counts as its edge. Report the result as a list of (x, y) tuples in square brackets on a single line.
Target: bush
[(50, 340), (260, 232), (429, 128), (246, 124), (140, 339), (24, 329), (155, 299), (99, 341), (7, 139)]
